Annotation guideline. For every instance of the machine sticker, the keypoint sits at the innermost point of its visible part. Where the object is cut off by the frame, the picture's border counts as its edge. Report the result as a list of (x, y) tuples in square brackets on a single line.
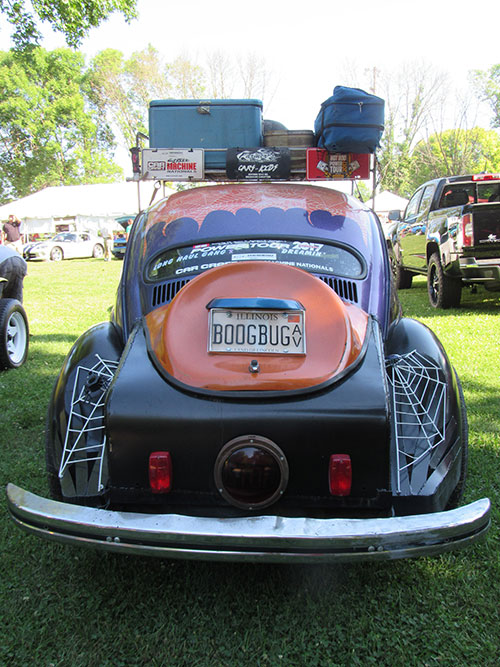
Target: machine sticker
[(173, 164)]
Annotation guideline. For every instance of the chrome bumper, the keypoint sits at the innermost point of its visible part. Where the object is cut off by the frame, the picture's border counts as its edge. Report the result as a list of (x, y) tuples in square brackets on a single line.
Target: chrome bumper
[(480, 270), (261, 538)]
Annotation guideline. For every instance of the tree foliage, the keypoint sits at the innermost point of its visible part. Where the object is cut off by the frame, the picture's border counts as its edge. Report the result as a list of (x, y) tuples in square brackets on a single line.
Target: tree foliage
[(487, 84), (48, 135), (72, 18), (120, 89), (412, 96), (455, 152)]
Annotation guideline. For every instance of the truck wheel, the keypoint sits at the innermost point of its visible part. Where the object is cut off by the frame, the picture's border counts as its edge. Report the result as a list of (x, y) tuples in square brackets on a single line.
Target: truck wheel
[(444, 292), (402, 278), (14, 334)]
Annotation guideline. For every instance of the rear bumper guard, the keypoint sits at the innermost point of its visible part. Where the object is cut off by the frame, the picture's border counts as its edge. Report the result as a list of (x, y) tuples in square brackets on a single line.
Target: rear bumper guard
[(260, 538)]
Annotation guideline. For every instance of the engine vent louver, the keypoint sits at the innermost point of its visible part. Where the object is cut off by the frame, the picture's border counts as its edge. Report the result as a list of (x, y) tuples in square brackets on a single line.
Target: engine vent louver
[(164, 293), (346, 289)]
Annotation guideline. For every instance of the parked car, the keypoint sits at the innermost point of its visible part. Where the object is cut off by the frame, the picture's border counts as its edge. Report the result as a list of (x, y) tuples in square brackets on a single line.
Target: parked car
[(119, 245), (257, 395), (121, 238), (66, 245), (450, 231)]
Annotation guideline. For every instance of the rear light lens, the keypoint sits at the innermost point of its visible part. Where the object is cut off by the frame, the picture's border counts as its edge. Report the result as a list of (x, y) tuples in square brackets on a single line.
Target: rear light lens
[(160, 472), (340, 474), (251, 472), (486, 177), (467, 231)]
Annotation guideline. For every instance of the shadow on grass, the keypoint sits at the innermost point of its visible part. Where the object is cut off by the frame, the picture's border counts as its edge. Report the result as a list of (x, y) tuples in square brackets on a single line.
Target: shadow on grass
[(415, 303)]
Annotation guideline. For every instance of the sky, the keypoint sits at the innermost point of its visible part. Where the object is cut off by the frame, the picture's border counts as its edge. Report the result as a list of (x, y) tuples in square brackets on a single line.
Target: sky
[(308, 45)]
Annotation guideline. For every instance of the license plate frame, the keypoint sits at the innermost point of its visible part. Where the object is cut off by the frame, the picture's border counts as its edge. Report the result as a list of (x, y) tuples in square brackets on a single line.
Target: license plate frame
[(256, 331)]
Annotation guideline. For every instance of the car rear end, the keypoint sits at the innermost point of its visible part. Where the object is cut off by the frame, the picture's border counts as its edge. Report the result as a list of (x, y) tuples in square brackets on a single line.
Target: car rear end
[(250, 414), (475, 233)]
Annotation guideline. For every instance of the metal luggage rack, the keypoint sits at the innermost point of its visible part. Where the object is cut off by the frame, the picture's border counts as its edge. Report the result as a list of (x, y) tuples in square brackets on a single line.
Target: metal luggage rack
[(287, 163)]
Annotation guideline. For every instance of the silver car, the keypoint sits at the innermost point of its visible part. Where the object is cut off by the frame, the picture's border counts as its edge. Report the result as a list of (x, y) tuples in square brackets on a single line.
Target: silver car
[(66, 245)]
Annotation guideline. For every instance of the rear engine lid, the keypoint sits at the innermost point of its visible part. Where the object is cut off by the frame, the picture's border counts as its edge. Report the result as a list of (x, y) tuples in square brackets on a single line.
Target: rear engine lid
[(255, 326)]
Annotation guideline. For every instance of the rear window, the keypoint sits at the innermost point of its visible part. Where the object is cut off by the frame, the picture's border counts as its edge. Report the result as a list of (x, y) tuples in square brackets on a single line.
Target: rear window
[(313, 257)]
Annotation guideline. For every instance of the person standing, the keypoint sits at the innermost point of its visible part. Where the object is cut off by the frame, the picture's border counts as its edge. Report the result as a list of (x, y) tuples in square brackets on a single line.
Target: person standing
[(12, 232), (107, 238), (13, 269)]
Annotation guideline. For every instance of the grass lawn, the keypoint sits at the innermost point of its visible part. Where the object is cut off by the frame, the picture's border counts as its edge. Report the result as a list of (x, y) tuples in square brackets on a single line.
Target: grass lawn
[(66, 606)]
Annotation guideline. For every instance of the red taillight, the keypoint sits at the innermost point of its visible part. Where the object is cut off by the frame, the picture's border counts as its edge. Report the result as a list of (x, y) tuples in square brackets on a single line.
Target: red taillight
[(486, 177), (467, 231), (340, 474), (160, 472)]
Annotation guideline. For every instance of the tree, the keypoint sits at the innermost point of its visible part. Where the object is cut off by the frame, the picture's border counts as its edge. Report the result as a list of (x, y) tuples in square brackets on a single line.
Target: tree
[(455, 152), (413, 96), (72, 18), (48, 135), (417, 105), (487, 85), (121, 89)]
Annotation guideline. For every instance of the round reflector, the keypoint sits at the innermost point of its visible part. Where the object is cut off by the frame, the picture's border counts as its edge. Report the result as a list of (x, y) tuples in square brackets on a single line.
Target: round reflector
[(251, 472)]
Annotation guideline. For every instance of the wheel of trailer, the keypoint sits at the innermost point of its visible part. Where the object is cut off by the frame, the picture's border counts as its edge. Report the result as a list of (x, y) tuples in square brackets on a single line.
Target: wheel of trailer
[(458, 491), (56, 254), (98, 251), (14, 334), (402, 278), (444, 292)]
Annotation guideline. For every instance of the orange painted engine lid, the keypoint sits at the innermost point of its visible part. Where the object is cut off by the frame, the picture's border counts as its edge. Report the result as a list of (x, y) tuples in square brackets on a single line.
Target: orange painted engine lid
[(178, 332)]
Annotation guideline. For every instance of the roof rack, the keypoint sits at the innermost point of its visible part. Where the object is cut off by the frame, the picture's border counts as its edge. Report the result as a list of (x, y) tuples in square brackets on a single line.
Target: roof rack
[(259, 164)]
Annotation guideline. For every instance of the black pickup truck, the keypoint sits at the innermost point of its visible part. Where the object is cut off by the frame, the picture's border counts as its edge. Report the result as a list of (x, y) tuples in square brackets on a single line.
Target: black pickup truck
[(450, 231)]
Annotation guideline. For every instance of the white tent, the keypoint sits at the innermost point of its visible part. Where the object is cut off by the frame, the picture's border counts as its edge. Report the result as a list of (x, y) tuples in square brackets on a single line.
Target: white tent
[(387, 201), (79, 206)]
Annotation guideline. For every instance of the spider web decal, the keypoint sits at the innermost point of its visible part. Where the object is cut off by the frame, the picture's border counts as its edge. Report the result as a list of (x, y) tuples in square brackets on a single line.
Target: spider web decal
[(85, 440), (419, 400)]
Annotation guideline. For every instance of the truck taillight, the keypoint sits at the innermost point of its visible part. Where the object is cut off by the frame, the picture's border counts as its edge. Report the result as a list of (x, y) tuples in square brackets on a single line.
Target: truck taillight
[(486, 177), (160, 472), (467, 231)]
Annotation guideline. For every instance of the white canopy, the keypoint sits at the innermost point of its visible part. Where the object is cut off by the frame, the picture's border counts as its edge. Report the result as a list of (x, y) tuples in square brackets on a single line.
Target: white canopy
[(387, 201), (89, 206), (101, 199)]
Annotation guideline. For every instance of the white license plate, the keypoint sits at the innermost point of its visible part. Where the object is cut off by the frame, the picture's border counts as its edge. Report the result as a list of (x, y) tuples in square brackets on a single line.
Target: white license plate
[(256, 331)]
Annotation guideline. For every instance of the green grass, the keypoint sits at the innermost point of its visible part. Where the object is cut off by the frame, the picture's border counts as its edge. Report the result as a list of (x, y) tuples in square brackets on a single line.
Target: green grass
[(65, 606)]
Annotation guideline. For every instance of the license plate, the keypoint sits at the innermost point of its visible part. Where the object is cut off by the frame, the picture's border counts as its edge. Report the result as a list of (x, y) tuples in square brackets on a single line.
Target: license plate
[(256, 331)]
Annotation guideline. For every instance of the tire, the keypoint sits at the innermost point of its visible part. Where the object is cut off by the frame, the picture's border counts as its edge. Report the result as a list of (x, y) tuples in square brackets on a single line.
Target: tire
[(14, 334), (444, 292), (56, 254), (98, 251), (458, 491), (402, 278)]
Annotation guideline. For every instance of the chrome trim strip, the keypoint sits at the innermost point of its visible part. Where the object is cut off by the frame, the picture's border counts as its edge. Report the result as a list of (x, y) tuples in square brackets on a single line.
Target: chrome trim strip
[(260, 538)]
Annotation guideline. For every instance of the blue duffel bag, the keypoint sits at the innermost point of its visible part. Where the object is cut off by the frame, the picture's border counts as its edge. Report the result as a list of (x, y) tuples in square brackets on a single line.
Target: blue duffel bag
[(350, 121)]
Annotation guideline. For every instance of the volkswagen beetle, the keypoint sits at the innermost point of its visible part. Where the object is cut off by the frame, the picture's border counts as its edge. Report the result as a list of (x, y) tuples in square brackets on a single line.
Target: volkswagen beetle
[(257, 395)]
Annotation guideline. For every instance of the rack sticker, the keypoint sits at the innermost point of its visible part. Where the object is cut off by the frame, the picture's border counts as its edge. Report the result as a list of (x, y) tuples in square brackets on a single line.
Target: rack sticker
[(170, 164), (258, 164), (322, 165)]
